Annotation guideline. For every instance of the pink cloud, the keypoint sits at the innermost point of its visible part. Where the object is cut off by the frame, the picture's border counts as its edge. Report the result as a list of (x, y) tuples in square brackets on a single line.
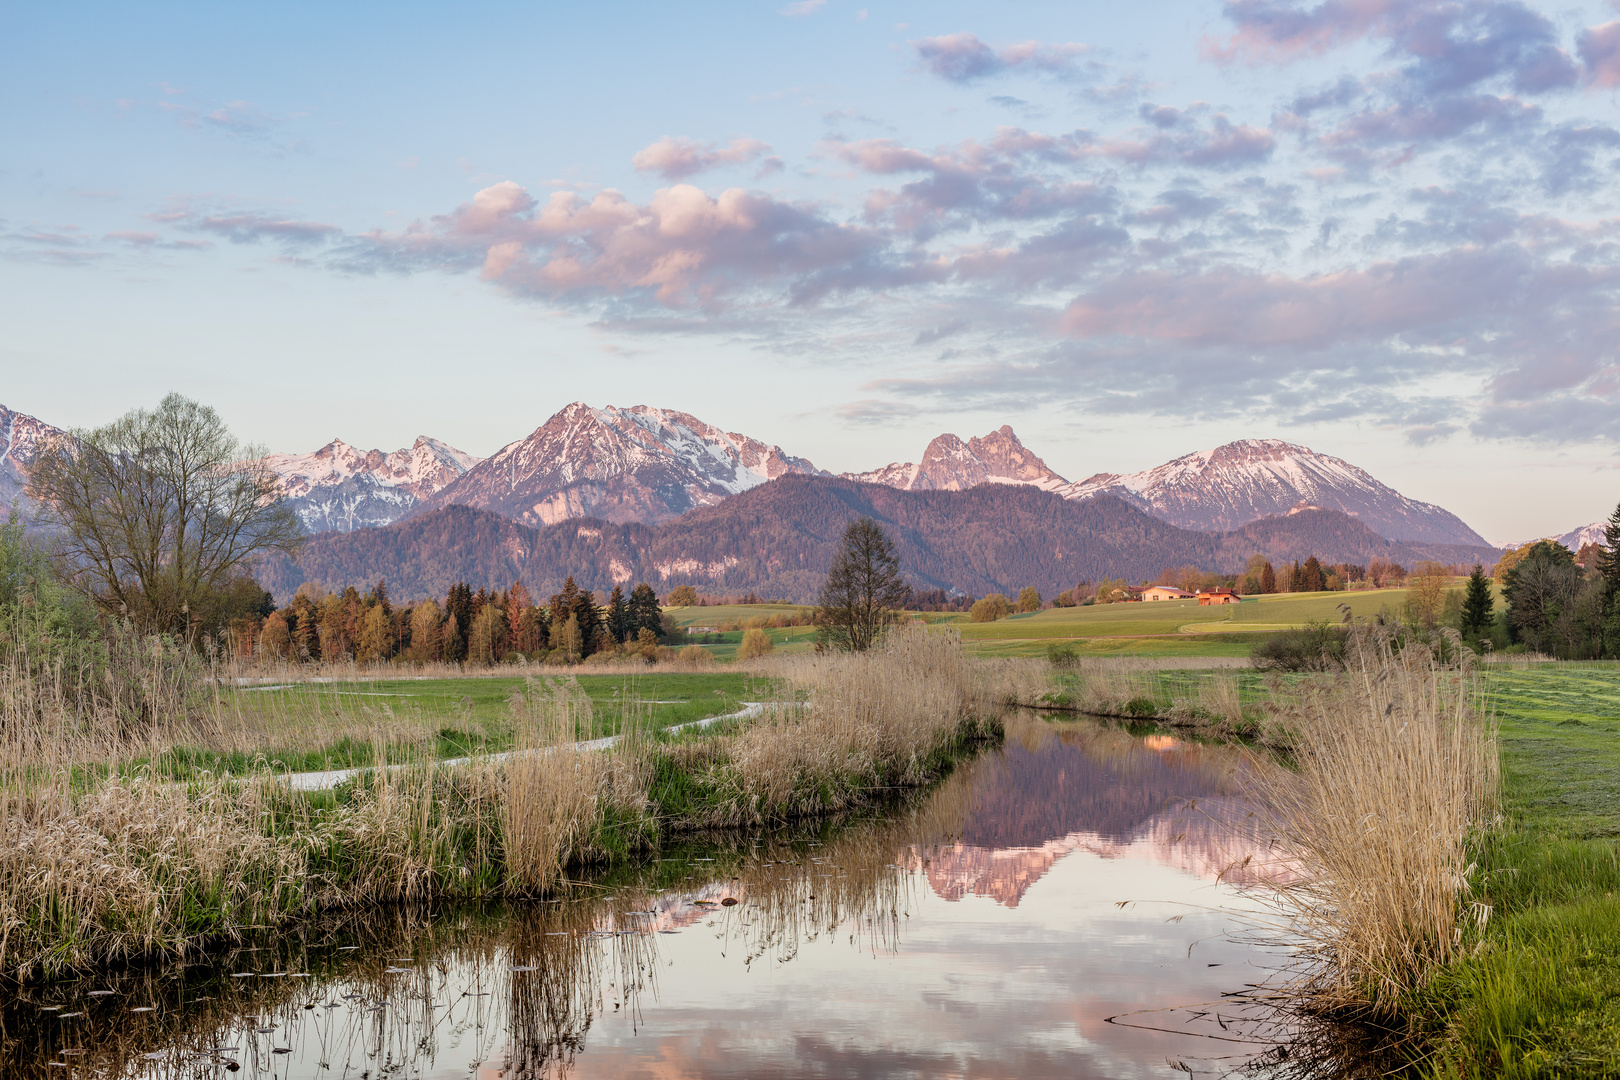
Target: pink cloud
[(678, 158), (1599, 47), (684, 247), (963, 57), (1272, 32), (1422, 295)]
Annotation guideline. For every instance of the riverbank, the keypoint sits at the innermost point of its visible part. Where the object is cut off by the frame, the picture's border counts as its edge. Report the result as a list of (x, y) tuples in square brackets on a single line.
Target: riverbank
[(1538, 995), (103, 867)]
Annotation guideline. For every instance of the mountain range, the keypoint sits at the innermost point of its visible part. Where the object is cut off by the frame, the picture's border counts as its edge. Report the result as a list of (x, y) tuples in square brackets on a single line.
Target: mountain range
[(636, 464), (653, 487), (650, 465), (778, 539)]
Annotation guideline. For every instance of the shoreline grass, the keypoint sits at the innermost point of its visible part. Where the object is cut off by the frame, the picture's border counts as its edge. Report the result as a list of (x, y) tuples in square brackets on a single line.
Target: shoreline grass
[(100, 866)]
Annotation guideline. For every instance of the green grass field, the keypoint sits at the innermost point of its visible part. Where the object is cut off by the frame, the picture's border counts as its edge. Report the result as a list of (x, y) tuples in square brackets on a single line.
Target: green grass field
[(1168, 627), (1164, 628), (1541, 996), (332, 725)]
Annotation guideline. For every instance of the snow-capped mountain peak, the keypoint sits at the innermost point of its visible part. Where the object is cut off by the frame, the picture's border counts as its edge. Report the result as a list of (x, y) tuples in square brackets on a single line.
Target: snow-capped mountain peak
[(1242, 481), (343, 487), (949, 464), (20, 438), (623, 464)]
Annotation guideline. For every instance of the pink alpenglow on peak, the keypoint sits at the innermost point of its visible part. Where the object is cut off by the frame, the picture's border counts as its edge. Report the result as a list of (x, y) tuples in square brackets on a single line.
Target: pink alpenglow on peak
[(949, 464), (1243, 481), (620, 464), (20, 439), (341, 487)]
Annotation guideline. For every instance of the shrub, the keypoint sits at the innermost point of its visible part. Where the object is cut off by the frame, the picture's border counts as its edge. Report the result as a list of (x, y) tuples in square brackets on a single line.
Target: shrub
[(695, 656), (1319, 646), (755, 643), (989, 609), (1062, 654)]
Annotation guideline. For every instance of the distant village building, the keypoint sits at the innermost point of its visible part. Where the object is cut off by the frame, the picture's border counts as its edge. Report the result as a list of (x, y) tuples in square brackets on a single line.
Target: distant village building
[(1166, 592), (1212, 597)]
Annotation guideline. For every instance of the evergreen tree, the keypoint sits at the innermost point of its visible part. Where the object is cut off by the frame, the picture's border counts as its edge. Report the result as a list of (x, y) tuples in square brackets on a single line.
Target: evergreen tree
[(1608, 562), (1478, 604), (1608, 568), (457, 618), (1309, 578), (589, 617), (644, 612), (1268, 578), (618, 616), (562, 603)]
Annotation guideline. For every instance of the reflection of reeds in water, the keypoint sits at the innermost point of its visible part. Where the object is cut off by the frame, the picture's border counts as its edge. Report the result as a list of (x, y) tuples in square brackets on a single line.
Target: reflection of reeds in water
[(575, 959)]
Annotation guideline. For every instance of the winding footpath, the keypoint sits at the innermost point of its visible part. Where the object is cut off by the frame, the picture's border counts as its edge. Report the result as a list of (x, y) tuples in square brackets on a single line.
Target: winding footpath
[(326, 781)]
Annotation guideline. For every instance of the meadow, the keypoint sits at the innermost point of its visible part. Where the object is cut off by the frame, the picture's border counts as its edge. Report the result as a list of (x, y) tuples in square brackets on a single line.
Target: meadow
[(1539, 994), (1162, 628), (360, 720)]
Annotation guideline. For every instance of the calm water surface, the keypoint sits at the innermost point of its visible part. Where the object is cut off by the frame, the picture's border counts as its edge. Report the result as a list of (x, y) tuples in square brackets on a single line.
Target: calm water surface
[(1050, 910)]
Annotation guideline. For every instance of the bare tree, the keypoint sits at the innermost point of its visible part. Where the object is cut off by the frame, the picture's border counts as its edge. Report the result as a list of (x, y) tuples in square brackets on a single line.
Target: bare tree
[(863, 591), (157, 513)]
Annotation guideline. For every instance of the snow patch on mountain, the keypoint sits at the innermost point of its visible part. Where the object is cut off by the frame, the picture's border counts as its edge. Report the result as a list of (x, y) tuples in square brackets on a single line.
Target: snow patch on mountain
[(1243, 481), (1575, 539)]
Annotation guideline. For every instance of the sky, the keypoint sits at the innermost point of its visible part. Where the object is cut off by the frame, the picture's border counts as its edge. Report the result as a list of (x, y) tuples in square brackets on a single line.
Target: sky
[(1384, 229)]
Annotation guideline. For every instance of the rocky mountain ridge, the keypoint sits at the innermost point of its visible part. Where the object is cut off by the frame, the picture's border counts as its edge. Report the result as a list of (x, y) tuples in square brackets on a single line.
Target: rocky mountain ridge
[(949, 464), (340, 487)]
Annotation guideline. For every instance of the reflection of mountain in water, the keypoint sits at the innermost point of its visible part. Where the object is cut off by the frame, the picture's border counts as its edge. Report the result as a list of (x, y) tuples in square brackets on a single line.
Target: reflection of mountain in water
[(1102, 792)]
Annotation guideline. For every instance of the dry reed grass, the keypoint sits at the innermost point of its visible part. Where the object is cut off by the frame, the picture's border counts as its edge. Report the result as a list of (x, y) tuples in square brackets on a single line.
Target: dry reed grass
[(1397, 778), (867, 721), (555, 799), (102, 860)]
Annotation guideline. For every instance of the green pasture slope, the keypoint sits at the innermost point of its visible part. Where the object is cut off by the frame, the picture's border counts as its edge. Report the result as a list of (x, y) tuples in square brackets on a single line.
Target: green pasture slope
[(1541, 998), (1169, 627), (419, 719), (1162, 628), (790, 639)]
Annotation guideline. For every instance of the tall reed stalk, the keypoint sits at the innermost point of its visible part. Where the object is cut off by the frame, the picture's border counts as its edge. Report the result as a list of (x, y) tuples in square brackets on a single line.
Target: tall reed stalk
[(1396, 781)]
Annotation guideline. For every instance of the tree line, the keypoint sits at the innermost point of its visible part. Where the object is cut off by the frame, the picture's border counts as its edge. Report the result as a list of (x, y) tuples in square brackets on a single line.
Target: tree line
[(482, 628), (1559, 602)]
